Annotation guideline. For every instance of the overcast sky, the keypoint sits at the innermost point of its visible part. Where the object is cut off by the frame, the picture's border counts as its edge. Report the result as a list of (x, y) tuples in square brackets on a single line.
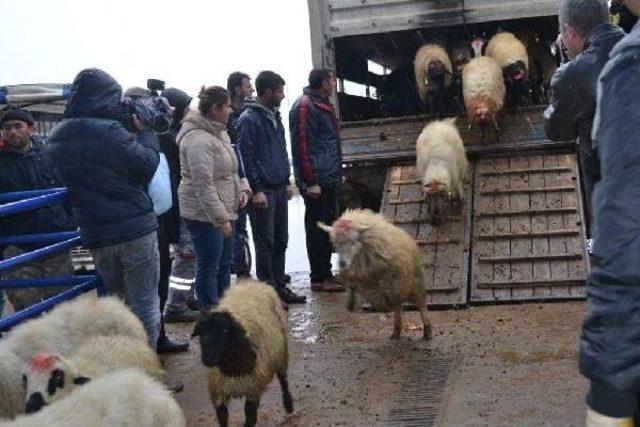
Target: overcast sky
[(185, 43)]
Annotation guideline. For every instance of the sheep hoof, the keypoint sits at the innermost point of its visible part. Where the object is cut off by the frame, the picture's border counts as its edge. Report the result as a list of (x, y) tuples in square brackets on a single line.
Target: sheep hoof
[(426, 333), (395, 336)]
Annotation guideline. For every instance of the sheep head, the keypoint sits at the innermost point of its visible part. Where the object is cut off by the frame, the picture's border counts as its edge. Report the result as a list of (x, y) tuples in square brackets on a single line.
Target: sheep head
[(47, 378), (224, 344), (477, 45), (346, 238)]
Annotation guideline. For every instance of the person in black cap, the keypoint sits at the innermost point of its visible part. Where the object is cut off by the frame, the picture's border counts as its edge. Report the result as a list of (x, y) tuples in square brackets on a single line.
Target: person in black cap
[(23, 167)]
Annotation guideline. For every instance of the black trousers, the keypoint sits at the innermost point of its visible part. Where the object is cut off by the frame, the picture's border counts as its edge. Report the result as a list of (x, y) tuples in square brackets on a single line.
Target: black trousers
[(319, 249), (165, 272)]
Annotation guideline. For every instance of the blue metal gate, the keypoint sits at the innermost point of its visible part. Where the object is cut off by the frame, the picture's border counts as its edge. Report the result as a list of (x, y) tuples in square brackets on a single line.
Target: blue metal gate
[(13, 203)]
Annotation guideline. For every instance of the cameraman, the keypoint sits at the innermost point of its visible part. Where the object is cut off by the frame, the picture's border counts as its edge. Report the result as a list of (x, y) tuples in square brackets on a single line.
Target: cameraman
[(107, 170)]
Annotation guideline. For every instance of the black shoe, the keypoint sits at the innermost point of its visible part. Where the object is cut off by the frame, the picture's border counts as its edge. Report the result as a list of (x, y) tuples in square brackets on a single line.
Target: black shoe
[(165, 345), (289, 297), (175, 386), (287, 278), (192, 303)]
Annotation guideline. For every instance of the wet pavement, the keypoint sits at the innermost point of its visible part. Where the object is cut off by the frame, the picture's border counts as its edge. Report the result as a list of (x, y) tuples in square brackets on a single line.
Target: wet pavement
[(486, 366)]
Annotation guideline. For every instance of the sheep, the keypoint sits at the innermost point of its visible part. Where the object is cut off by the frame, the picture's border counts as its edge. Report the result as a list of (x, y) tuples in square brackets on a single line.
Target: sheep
[(381, 262), (61, 331), (122, 398), (442, 165), (243, 343), (512, 57), (484, 92), (542, 64), (432, 68), (49, 377)]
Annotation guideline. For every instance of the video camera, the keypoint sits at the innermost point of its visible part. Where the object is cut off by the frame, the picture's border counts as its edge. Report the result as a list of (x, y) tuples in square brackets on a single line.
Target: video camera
[(150, 108)]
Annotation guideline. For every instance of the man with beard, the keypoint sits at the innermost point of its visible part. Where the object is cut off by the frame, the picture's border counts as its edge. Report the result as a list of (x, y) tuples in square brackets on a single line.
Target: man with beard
[(264, 151)]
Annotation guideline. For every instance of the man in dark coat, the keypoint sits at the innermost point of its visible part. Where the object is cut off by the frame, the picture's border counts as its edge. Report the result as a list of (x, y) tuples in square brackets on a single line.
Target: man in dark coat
[(610, 340), (239, 87), (589, 36), (23, 167), (264, 151), (317, 165), (107, 170)]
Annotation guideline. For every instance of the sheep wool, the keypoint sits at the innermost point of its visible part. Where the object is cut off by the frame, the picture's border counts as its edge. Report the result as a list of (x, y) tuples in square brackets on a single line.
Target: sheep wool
[(441, 158), (426, 55), (97, 356), (123, 398), (506, 49), (483, 89), (381, 262)]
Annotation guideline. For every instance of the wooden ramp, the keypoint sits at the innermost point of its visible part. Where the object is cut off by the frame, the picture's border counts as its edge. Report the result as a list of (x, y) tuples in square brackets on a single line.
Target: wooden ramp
[(528, 240), (517, 236), (444, 249)]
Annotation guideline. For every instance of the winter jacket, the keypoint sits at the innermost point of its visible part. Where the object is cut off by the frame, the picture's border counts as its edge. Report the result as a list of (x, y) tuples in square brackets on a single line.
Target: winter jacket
[(169, 222), (106, 168), (263, 147), (32, 171), (610, 340), (233, 136), (315, 141), (210, 187)]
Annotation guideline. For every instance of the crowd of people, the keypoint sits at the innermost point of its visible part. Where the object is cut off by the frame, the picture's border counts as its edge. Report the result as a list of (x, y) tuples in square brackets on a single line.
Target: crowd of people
[(228, 161)]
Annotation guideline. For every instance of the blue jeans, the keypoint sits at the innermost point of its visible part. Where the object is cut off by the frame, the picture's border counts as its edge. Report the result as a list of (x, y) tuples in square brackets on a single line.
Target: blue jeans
[(213, 261), (270, 236), (131, 270)]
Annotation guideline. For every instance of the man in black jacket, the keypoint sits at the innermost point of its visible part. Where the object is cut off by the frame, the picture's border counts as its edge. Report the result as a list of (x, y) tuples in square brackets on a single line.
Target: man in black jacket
[(317, 165), (264, 150), (107, 170), (610, 340), (24, 167), (589, 36), (239, 87)]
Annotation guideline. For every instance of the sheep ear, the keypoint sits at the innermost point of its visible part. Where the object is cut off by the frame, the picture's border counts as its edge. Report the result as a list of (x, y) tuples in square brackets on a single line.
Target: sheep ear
[(81, 380), (196, 330), (325, 227)]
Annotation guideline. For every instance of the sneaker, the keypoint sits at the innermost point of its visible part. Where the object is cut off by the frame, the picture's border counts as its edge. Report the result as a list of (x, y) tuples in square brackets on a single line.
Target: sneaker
[(327, 286), (289, 297), (181, 317)]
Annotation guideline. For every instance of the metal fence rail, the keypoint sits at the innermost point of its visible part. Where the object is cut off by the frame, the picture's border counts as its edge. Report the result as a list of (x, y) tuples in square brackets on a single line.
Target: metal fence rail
[(52, 243)]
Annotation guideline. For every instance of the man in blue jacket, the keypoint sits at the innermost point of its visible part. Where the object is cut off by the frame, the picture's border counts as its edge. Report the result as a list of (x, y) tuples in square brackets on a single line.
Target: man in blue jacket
[(610, 340), (23, 167), (266, 162), (107, 170), (317, 164)]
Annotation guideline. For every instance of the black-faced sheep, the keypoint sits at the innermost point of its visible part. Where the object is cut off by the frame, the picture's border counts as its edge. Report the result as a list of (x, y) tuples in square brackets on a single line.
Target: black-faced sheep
[(441, 162), (542, 64), (432, 68), (244, 344), (49, 377), (484, 92), (119, 399), (461, 54), (511, 55), (381, 262), (61, 331)]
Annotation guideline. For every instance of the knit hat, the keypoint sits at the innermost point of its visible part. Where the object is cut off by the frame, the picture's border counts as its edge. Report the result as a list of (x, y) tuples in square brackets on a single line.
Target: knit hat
[(16, 114)]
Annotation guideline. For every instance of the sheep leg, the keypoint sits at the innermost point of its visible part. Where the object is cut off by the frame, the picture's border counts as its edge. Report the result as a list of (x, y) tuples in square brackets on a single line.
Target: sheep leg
[(397, 322), (223, 414), (496, 128), (351, 300), (426, 323), (251, 412), (286, 395)]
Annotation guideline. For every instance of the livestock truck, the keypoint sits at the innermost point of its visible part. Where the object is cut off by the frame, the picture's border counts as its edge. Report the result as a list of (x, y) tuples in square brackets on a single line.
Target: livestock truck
[(519, 233)]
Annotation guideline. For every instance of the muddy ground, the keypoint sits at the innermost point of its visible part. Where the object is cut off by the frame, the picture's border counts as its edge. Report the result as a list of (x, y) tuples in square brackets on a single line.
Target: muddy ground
[(501, 365)]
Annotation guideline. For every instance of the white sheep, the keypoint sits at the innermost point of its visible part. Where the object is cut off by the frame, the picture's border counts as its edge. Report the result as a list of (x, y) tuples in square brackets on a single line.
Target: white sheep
[(244, 344), (512, 57), (433, 69), (49, 377), (60, 331), (125, 398), (381, 262), (441, 164), (484, 91)]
